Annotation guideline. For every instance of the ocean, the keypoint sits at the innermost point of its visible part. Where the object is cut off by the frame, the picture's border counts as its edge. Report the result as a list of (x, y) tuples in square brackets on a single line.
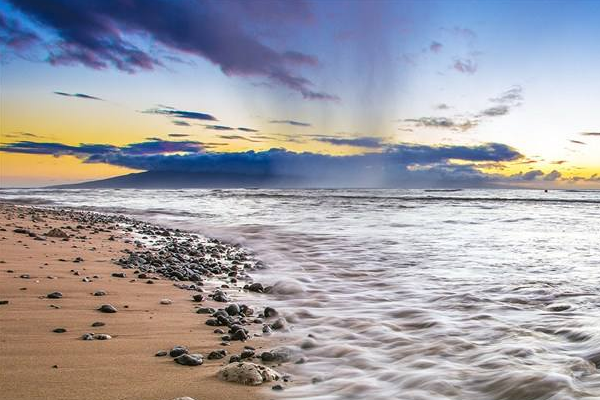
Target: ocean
[(408, 294)]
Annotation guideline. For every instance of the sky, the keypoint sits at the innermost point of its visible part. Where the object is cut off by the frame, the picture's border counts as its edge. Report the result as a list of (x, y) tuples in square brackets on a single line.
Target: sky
[(355, 93)]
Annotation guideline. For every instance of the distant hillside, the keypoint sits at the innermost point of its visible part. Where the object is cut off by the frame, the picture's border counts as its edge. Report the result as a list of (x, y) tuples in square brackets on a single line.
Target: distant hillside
[(181, 180)]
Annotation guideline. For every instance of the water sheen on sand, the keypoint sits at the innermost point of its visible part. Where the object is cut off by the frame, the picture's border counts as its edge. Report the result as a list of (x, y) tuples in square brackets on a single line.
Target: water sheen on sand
[(410, 294)]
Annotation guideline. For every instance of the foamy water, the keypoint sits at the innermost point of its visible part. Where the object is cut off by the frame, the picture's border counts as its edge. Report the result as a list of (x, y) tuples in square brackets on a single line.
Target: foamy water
[(409, 294)]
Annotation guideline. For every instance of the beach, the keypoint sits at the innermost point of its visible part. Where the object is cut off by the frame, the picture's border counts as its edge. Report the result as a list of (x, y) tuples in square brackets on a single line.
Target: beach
[(44, 355)]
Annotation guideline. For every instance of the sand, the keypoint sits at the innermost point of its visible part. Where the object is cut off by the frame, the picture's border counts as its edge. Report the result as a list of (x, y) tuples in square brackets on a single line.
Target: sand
[(122, 368)]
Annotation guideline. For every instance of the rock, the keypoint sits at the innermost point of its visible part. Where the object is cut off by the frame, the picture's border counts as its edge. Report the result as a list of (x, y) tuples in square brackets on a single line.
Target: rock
[(97, 324), (183, 398), (54, 295), (270, 312), (166, 301), (58, 233), (277, 387), (198, 297), (256, 287), (189, 359), (3, 302), (205, 310), (232, 309), (161, 353), (280, 355), (107, 308), (59, 330), (235, 358), (279, 324), (87, 336), (99, 293), (247, 353), (102, 336), (119, 275), (178, 350), (248, 374), (217, 354)]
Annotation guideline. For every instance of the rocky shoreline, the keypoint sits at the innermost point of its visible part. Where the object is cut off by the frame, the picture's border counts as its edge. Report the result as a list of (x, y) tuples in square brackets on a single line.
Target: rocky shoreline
[(213, 275)]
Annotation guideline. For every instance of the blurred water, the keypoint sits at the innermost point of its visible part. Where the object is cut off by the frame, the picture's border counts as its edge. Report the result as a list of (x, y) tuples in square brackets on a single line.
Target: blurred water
[(410, 294)]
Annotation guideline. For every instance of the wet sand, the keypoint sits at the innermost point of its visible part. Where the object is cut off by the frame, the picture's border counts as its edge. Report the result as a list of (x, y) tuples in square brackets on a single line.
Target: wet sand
[(40, 364)]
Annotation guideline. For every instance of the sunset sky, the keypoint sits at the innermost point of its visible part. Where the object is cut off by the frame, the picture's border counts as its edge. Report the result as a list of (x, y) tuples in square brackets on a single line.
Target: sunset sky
[(446, 93)]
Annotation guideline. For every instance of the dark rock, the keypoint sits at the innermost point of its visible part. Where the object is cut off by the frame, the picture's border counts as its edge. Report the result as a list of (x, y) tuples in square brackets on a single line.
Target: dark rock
[(256, 287), (107, 308), (58, 233), (198, 297), (189, 359), (217, 354), (119, 274), (161, 353), (97, 324), (270, 312), (59, 330), (99, 293), (247, 353), (232, 309), (54, 295), (178, 351)]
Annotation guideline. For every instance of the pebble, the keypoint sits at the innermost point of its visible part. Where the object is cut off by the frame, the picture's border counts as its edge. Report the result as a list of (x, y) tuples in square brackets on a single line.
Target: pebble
[(161, 353), (166, 301), (97, 324), (54, 295), (59, 330), (119, 274), (270, 312), (198, 297), (178, 350), (102, 336), (217, 354), (189, 359), (99, 293), (58, 233), (87, 336), (107, 308), (3, 302)]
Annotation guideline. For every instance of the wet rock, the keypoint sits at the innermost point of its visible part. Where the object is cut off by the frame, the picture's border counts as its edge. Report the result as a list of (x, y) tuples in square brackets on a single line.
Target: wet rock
[(256, 287), (178, 350), (277, 387), (198, 297), (220, 296), (241, 335), (99, 293), (232, 309), (280, 355), (248, 374), (217, 354), (279, 324), (235, 358), (247, 353), (205, 310), (54, 295), (107, 308), (119, 275), (102, 336), (189, 359), (270, 312)]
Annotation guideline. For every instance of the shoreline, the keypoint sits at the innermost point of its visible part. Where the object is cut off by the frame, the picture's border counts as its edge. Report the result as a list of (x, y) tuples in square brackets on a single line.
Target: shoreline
[(170, 288)]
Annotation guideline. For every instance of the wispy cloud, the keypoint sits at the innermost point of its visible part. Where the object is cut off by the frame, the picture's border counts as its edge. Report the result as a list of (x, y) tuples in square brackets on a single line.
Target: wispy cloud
[(219, 127), (238, 137), (171, 112), (577, 142), (443, 122), (290, 122), (590, 133), (465, 66), (78, 95), (180, 123), (246, 129), (435, 47), (367, 142), (178, 135)]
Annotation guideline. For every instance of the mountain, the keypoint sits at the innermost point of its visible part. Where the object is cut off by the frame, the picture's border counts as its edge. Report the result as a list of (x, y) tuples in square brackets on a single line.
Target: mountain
[(181, 180)]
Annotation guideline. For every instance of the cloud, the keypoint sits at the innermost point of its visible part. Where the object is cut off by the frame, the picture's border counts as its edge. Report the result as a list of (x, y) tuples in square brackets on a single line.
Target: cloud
[(465, 66), (443, 122), (78, 95), (238, 137), (180, 123), (100, 34), (170, 112), (512, 96), (219, 127), (22, 134), (246, 129), (552, 176), (559, 162), (368, 142), (577, 142), (463, 32), (14, 36), (435, 47), (91, 152), (527, 176), (442, 106), (178, 135), (590, 133), (398, 165), (290, 122), (495, 111)]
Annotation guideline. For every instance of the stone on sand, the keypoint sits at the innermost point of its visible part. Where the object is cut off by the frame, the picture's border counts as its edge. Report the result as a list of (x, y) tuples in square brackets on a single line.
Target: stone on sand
[(248, 374)]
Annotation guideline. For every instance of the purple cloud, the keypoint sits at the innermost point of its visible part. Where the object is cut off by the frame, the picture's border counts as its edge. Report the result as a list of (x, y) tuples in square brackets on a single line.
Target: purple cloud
[(78, 95), (14, 36), (171, 112), (465, 66), (290, 122), (104, 33), (435, 47)]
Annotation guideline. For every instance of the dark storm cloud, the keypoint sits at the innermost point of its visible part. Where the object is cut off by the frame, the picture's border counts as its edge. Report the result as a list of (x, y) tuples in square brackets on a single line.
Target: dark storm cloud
[(91, 151), (401, 164), (290, 122), (103, 33), (78, 95), (15, 36), (368, 142), (170, 112)]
